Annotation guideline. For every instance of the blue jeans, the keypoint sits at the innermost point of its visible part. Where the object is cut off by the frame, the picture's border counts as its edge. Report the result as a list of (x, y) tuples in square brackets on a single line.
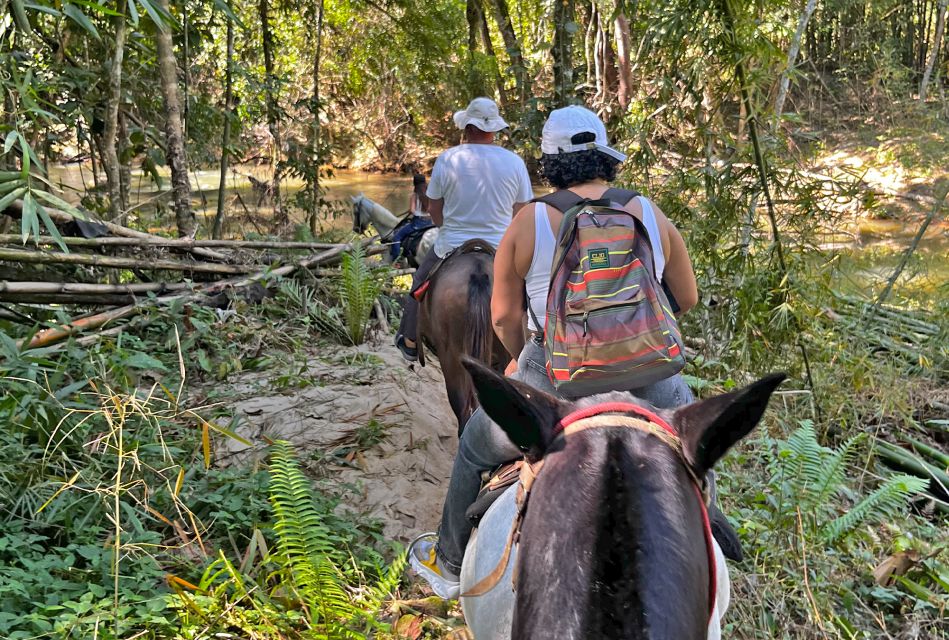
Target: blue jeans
[(484, 446)]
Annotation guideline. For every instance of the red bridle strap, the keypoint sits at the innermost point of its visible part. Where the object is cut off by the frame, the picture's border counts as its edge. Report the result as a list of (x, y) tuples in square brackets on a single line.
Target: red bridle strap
[(614, 407), (652, 417)]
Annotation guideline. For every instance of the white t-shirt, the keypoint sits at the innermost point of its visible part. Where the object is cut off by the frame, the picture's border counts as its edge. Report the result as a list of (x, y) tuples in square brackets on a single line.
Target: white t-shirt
[(480, 184)]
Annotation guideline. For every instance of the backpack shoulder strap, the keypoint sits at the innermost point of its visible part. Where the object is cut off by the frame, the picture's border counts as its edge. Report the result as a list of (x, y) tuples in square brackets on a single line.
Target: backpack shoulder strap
[(622, 196), (655, 239), (562, 199)]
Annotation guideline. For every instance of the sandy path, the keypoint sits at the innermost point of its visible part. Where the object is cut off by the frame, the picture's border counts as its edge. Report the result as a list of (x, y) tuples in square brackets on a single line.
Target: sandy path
[(401, 474)]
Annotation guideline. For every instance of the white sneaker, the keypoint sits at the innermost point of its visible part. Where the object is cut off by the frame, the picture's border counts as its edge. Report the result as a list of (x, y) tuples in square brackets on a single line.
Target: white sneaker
[(425, 563)]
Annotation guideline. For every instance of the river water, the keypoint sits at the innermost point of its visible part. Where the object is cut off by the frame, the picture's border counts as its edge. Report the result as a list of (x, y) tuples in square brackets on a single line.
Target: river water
[(871, 248)]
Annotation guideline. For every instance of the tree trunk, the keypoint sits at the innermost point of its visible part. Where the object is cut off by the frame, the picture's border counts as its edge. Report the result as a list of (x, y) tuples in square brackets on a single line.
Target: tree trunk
[(937, 46), (174, 133), (489, 50), (589, 47), (792, 59), (597, 53), (315, 110), (125, 167), (229, 114), (473, 17), (110, 157), (502, 15), (562, 51), (273, 111), (610, 79), (623, 64)]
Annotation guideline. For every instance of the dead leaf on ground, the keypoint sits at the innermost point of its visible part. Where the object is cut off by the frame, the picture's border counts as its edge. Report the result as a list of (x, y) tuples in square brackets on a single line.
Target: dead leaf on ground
[(895, 565), (409, 626)]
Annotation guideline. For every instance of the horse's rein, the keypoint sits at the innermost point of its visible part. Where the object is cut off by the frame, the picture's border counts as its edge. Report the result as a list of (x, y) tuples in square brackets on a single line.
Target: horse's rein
[(598, 417)]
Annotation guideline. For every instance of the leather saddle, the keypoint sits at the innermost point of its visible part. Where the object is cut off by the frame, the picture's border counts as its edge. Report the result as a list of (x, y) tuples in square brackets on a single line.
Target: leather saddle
[(472, 246)]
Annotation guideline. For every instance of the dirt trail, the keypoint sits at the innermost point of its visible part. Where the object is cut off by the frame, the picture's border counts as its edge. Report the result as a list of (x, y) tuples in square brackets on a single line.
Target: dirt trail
[(400, 418)]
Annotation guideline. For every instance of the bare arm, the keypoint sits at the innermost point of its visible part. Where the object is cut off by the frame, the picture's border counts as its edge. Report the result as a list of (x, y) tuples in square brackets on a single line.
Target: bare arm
[(435, 208), (679, 274), (518, 206), (507, 298)]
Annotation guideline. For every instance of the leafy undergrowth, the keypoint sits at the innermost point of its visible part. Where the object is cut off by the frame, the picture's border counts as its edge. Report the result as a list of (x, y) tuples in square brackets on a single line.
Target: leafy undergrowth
[(116, 520)]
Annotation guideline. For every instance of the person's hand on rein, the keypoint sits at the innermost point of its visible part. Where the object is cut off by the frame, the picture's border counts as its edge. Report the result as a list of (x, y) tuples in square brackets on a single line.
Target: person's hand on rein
[(511, 368)]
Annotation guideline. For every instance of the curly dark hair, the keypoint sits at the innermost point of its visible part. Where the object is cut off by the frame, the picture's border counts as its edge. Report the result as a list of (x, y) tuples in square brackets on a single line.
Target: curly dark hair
[(563, 170)]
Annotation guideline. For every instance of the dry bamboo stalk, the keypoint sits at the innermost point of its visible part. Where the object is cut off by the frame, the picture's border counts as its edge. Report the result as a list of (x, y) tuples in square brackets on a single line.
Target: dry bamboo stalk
[(155, 241), (91, 288), (335, 272), (53, 257), (89, 323), (16, 209), (96, 299)]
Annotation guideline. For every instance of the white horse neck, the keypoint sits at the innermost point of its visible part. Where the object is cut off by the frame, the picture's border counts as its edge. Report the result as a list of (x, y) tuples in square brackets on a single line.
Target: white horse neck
[(383, 219)]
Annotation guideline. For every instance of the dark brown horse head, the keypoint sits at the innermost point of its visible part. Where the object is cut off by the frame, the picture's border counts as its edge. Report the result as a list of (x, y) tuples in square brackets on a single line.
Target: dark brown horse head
[(613, 543)]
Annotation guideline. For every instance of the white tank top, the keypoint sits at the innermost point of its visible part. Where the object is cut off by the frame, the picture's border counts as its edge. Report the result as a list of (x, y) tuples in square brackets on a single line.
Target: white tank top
[(537, 282)]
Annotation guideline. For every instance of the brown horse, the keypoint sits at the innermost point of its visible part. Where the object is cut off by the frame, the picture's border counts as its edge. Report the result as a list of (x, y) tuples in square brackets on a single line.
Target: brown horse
[(455, 321), (614, 539)]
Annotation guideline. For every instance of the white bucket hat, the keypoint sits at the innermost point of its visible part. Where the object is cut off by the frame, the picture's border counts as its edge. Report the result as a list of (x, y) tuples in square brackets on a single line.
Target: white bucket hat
[(563, 124), (482, 113)]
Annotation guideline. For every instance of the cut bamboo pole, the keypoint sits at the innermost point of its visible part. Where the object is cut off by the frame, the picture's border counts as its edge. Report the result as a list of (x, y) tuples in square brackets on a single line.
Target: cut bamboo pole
[(15, 209), (54, 257), (96, 299), (91, 288), (93, 322), (900, 458), (174, 243), (935, 455)]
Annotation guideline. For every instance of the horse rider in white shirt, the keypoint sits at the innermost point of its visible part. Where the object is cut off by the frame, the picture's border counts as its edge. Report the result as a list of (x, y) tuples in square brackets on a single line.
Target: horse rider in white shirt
[(474, 191)]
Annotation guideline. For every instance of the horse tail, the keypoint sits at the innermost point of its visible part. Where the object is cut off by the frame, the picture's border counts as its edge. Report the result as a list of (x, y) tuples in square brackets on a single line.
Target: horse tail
[(478, 329)]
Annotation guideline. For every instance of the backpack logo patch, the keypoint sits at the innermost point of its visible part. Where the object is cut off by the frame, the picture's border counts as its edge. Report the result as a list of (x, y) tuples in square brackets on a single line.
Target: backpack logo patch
[(599, 258)]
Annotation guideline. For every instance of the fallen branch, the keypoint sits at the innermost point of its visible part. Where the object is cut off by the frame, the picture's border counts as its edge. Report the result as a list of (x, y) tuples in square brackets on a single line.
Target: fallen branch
[(54, 257), (328, 273), (90, 323), (155, 241), (15, 209)]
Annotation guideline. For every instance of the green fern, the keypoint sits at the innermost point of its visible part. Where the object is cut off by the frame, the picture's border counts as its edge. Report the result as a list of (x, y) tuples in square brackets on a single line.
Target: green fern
[(886, 500), (808, 458), (358, 289), (310, 557), (305, 545), (816, 475)]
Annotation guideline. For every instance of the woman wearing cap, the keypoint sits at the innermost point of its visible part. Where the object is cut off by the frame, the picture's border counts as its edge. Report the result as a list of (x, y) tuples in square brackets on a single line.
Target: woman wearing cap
[(575, 157)]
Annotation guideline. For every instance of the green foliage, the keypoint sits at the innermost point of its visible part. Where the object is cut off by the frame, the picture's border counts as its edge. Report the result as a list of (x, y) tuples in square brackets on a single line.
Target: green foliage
[(812, 476), (358, 289), (355, 289), (305, 546), (316, 584)]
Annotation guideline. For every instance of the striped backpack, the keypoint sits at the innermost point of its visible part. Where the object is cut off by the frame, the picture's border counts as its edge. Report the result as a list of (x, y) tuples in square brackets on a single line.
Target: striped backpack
[(609, 325)]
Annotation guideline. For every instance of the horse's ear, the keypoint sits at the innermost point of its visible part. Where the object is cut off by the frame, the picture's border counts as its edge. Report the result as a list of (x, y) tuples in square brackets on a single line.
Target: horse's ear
[(710, 427), (527, 415)]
